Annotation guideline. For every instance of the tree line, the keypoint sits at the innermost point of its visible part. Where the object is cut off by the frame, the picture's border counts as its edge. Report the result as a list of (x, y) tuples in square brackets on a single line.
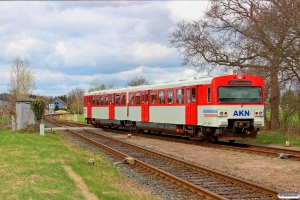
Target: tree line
[(22, 84)]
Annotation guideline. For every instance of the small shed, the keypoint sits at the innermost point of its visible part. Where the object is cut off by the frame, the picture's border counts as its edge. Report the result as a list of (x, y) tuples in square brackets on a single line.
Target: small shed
[(25, 115)]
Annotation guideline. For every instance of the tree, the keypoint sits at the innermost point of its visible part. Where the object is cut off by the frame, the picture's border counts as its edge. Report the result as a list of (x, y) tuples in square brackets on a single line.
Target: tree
[(56, 108), (38, 106), (75, 100), (21, 83), (137, 81), (260, 36), (101, 87)]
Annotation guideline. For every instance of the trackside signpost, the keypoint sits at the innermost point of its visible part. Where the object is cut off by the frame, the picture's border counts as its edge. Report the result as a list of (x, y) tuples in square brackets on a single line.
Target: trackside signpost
[(51, 112)]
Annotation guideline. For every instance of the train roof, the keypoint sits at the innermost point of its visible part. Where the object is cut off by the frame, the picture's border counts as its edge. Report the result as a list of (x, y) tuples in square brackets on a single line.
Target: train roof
[(171, 84)]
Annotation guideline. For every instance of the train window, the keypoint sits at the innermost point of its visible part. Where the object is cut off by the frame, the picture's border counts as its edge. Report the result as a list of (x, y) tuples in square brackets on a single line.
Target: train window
[(131, 97), (208, 94), (101, 101), (240, 94), (153, 97), (137, 98), (143, 98), (106, 100), (97, 101), (188, 95), (146, 98), (93, 100), (179, 96), (162, 97), (193, 95), (123, 99), (170, 96), (111, 99), (117, 99)]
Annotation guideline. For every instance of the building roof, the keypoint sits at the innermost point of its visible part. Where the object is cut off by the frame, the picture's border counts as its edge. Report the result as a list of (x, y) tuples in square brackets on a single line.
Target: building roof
[(25, 100), (59, 99)]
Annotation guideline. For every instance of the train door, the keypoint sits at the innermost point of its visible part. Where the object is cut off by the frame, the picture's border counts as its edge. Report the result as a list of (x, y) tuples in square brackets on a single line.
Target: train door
[(89, 107), (145, 106), (111, 106), (190, 105)]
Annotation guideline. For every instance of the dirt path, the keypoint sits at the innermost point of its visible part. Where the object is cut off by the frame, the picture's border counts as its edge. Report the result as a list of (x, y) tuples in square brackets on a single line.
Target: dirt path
[(80, 184)]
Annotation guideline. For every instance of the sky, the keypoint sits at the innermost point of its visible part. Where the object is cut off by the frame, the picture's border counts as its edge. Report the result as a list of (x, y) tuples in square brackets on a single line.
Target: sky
[(84, 44)]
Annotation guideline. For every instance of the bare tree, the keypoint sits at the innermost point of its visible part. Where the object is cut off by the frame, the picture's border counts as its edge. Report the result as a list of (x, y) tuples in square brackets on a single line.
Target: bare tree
[(101, 87), (137, 81), (21, 83), (75, 100), (245, 34)]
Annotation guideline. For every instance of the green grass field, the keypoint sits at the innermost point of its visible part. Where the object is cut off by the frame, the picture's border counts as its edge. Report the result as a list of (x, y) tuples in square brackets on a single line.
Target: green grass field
[(279, 138), (32, 167)]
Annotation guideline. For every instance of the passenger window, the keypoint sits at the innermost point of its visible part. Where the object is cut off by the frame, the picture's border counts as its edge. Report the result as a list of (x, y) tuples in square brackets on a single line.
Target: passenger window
[(97, 100), (170, 96), (188, 95), (93, 100), (179, 96), (131, 97), (208, 94), (112, 99), (101, 101), (106, 100), (123, 99), (143, 98), (162, 97), (153, 97), (146, 98), (117, 99), (193, 95), (137, 98)]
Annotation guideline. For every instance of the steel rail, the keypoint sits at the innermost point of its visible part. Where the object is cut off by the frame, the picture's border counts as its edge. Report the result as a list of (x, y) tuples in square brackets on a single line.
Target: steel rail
[(193, 188), (238, 181)]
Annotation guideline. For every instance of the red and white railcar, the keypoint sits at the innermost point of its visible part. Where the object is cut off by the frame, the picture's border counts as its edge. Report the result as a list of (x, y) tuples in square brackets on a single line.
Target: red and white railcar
[(228, 107)]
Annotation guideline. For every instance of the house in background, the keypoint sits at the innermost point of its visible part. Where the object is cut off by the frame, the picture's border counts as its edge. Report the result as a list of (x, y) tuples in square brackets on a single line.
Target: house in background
[(60, 103), (4, 113)]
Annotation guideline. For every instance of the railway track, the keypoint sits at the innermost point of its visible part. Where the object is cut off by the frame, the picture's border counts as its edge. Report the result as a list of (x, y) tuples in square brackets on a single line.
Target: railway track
[(245, 148), (197, 180), (284, 153)]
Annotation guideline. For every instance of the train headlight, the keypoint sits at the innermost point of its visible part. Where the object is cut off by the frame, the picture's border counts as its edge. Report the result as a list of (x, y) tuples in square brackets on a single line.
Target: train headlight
[(222, 113), (258, 113)]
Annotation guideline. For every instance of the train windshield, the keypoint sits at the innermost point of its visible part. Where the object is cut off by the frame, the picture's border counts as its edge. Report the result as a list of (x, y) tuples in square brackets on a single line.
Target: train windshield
[(239, 94)]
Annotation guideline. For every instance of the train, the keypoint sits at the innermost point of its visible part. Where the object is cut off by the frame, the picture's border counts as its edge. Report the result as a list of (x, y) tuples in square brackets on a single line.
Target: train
[(224, 107)]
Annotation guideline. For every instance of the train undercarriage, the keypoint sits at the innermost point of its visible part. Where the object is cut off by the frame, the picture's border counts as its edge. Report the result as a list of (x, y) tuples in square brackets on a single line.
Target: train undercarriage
[(236, 130)]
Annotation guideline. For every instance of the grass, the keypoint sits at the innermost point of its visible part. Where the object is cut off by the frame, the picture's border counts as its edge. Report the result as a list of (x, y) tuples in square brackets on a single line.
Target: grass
[(279, 138), (70, 117), (32, 168)]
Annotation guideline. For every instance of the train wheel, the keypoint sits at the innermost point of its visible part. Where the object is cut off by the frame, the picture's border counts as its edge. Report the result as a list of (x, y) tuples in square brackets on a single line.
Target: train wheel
[(215, 139)]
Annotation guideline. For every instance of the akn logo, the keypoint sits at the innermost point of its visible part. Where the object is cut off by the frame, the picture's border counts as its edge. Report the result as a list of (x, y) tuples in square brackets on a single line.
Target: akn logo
[(241, 113)]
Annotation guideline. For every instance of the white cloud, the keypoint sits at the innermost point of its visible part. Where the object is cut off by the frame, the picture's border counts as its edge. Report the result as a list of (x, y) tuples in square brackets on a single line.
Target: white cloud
[(66, 42), (186, 10), (141, 52)]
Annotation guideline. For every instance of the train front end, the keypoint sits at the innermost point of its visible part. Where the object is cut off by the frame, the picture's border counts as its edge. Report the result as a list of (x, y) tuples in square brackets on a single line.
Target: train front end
[(237, 108)]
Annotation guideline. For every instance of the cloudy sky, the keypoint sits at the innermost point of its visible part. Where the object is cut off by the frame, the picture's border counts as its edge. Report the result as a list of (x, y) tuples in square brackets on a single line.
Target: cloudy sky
[(84, 44)]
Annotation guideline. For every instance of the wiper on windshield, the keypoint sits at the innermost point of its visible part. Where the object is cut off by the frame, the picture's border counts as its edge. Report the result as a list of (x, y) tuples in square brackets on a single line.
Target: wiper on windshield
[(243, 102)]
